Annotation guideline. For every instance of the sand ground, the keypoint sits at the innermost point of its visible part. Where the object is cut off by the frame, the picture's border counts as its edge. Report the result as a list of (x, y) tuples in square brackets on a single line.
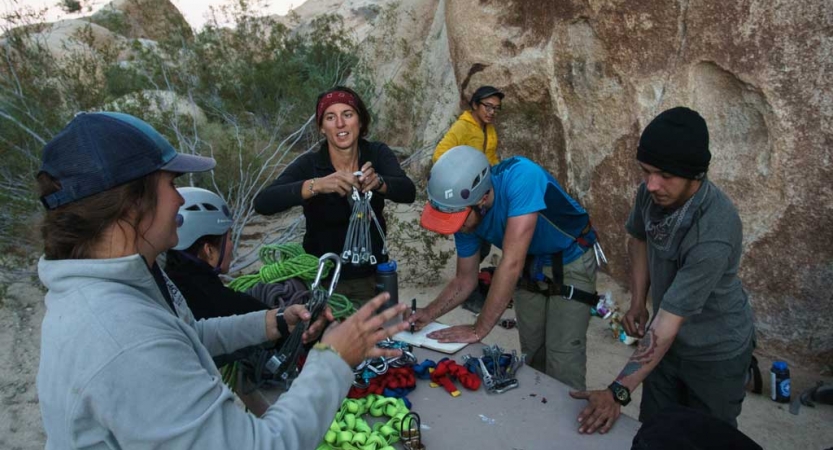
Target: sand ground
[(768, 423)]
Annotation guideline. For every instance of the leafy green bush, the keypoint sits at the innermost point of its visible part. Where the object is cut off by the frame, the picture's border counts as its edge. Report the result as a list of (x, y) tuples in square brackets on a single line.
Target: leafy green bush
[(249, 92)]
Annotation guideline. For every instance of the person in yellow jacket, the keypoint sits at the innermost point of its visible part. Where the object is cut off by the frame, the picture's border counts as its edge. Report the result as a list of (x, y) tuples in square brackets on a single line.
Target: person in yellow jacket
[(475, 127)]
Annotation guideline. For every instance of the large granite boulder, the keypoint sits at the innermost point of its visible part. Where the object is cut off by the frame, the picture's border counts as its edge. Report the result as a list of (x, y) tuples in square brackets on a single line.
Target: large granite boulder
[(583, 78)]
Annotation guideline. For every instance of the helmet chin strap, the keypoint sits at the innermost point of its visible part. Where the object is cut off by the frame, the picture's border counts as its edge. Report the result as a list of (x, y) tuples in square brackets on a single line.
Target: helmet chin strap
[(219, 267), (483, 209)]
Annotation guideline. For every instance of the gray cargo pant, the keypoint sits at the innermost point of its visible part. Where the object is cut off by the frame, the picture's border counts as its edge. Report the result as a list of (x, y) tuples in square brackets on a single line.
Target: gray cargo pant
[(553, 330)]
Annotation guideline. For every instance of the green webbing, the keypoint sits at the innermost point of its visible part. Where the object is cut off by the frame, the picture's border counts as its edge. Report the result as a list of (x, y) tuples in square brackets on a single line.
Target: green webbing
[(350, 432)]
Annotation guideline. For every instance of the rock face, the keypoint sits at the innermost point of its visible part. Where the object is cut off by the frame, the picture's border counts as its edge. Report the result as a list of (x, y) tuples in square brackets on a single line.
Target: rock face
[(156, 20), (583, 78)]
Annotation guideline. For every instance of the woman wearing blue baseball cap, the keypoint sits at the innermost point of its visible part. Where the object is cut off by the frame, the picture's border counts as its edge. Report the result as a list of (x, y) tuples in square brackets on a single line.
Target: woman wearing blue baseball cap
[(123, 362)]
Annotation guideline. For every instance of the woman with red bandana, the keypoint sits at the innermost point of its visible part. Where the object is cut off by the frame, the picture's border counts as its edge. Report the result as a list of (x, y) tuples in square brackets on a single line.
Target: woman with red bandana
[(322, 181)]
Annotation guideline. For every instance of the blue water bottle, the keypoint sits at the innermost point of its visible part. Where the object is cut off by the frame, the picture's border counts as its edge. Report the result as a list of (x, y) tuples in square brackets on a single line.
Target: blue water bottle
[(779, 382), (387, 281)]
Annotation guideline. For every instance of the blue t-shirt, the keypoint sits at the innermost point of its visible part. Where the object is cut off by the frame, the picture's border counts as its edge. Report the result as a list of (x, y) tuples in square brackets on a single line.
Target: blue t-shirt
[(523, 187)]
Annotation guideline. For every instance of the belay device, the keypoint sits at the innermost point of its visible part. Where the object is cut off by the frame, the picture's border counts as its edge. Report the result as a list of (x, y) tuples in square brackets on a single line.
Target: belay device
[(284, 363), (358, 249)]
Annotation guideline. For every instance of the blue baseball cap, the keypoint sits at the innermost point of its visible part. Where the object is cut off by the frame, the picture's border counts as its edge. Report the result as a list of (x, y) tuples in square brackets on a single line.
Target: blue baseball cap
[(101, 150)]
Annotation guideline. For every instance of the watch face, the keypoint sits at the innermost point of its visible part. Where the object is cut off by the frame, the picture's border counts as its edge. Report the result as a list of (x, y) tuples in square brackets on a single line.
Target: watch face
[(621, 394)]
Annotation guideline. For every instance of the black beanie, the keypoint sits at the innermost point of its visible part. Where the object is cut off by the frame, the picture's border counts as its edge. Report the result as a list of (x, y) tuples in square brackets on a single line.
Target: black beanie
[(677, 142)]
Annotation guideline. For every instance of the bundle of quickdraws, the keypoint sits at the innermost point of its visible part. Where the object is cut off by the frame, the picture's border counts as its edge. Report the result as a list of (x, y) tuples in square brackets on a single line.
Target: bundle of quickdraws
[(373, 367), (358, 249), (496, 368), (284, 363)]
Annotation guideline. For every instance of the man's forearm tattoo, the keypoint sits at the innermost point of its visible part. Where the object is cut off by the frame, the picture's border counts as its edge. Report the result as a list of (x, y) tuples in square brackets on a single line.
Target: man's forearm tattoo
[(643, 355), (444, 307)]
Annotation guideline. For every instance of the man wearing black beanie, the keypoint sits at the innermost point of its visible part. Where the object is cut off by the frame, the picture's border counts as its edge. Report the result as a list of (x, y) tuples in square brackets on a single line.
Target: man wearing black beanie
[(685, 245)]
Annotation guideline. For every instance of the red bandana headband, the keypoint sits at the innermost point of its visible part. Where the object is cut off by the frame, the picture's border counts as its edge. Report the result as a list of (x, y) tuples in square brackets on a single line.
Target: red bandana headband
[(331, 99)]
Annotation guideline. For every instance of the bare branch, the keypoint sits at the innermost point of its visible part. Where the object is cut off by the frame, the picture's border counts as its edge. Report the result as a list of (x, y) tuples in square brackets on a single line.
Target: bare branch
[(23, 127)]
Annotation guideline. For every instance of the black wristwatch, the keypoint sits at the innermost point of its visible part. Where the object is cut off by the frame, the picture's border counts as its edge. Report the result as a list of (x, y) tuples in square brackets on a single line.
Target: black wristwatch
[(621, 394), (283, 327), (381, 182)]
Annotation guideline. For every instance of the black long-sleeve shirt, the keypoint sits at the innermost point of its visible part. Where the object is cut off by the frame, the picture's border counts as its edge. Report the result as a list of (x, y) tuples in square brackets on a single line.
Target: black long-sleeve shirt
[(328, 215), (204, 292)]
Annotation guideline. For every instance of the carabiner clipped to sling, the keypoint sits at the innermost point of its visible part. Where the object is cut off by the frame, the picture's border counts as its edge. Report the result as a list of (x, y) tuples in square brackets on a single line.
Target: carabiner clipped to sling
[(322, 263), (601, 259), (411, 433)]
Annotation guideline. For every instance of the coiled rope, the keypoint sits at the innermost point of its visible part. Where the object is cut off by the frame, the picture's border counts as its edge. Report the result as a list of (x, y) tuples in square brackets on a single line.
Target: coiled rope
[(284, 261)]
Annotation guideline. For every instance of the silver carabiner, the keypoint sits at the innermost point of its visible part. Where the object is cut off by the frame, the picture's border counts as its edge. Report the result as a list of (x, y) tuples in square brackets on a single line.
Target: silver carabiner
[(322, 263)]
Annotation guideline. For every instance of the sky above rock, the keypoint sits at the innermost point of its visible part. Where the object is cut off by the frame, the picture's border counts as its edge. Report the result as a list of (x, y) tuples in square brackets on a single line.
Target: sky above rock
[(195, 11)]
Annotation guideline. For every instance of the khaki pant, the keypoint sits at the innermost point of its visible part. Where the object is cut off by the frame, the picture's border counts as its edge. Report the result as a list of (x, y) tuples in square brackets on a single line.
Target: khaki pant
[(553, 330)]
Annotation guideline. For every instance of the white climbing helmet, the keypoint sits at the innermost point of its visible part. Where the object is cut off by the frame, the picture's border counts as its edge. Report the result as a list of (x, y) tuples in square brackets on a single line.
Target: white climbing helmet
[(204, 213), (458, 180)]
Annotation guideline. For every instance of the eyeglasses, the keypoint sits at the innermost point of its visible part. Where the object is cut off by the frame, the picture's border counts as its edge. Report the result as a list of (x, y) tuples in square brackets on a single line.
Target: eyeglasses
[(490, 108)]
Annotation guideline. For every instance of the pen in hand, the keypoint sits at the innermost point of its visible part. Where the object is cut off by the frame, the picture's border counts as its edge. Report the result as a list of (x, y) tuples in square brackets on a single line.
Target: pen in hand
[(413, 311)]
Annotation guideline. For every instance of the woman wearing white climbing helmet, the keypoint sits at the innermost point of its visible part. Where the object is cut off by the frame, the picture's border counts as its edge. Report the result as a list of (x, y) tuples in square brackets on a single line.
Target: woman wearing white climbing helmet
[(118, 343), (205, 251), (322, 182)]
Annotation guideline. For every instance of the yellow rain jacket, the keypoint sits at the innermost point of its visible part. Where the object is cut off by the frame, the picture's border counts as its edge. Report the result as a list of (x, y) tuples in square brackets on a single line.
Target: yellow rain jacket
[(466, 131)]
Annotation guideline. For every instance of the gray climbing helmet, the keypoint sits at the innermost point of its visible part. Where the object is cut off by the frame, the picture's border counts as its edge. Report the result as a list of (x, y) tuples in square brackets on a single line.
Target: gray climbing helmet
[(459, 179), (203, 214)]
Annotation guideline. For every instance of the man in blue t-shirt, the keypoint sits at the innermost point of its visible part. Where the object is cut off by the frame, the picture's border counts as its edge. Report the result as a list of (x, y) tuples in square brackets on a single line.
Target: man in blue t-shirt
[(518, 207)]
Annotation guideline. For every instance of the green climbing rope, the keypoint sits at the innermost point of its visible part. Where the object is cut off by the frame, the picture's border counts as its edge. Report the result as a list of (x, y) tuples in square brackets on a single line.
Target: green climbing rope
[(341, 306), (280, 263), (284, 261), (229, 374)]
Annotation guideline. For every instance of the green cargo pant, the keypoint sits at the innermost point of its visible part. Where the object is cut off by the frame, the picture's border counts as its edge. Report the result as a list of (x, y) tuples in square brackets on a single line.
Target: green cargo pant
[(553, 330)]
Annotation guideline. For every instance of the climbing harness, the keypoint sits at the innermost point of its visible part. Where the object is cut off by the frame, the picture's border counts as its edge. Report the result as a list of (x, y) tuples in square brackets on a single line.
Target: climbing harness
[(284, 363), (496, 368), (534, 280), (358, 248)]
